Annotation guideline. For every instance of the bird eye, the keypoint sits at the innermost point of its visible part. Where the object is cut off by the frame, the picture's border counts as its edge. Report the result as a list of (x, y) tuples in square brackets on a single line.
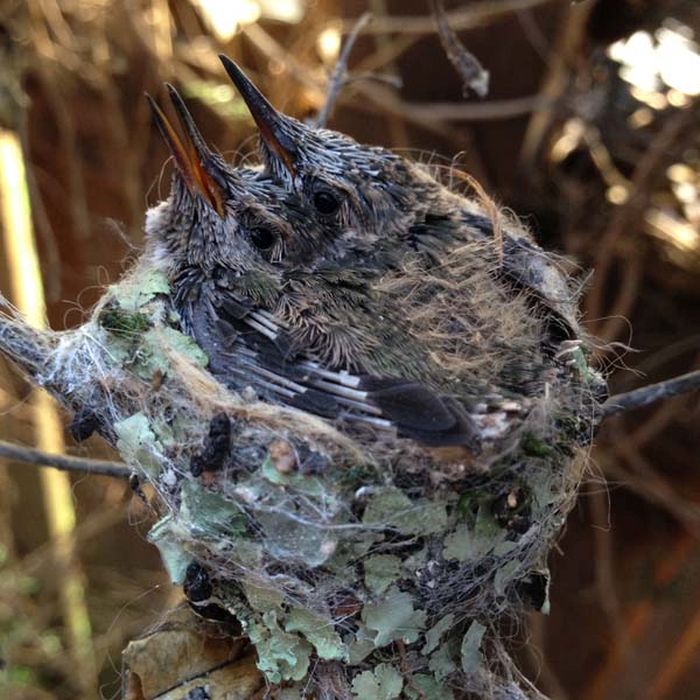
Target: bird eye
[(326, 202), (262, 238)]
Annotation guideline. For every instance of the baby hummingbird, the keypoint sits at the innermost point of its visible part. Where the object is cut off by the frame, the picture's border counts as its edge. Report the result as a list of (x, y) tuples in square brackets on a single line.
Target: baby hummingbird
[(375, 191), (496, 315), (265, 289)]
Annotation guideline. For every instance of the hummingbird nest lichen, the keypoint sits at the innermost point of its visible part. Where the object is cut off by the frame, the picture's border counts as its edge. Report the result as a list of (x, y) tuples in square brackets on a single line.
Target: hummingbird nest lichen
[(372, 499)]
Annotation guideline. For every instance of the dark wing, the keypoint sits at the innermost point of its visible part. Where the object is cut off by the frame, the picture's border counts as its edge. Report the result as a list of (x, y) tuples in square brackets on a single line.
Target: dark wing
[(248, 347)]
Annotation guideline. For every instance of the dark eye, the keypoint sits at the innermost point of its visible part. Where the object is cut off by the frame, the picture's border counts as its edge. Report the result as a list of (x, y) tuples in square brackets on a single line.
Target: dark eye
[(262, 238), (326, 202)]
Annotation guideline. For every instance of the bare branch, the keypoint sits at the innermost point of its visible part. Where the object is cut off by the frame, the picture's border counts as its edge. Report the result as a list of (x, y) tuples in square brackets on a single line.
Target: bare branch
[(470, 70), (684, 384), (27, 347), (340, 74), (31, 455)]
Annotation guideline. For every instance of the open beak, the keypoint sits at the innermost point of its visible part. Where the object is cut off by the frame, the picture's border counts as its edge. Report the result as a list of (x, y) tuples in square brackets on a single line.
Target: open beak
[(192, 155), (270, 122)]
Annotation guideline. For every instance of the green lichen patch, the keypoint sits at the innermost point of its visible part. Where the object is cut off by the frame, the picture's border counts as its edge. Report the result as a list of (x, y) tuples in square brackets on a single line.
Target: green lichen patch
[(302, 483), (176, 342), (169, 538), (360, 645), (135, 293), (281, 656), (425, 687), (534, 446), (122, 323), (381, 571), (472, 541), (290, 538), (317, 630), (435, 633), (262, 598), (349, 551), (470, 652), (546, 488), (383, 683), (578, 361), (441, 662), (139, 341), (209, 515), (155, 348), (394, 618), (138, 444), (390, 507), (505, 575), (464, 545)]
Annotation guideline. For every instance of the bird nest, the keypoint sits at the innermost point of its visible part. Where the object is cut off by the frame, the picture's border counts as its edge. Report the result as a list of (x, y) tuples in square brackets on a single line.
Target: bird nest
[(354, 571)]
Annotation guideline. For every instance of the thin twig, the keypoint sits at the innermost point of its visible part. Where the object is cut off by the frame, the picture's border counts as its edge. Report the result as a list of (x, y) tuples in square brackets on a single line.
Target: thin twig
[(31, 455), (340, 74), (473, 75), (684, 384)]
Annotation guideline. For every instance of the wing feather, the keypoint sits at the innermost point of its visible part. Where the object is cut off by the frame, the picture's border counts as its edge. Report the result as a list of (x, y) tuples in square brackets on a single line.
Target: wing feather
[(250, 347)]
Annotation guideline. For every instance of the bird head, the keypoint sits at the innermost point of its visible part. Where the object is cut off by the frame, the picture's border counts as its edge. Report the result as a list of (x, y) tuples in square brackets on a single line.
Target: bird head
[(241, 219), (366, 194)]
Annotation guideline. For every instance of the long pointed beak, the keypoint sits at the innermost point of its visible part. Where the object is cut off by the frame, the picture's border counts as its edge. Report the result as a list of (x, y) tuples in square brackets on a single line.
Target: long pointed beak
[(192, 155), (270, 122)]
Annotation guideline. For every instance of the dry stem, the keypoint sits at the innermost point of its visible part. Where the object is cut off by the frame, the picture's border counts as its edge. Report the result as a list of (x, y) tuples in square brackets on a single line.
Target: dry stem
[(684, 384), (40, 458)]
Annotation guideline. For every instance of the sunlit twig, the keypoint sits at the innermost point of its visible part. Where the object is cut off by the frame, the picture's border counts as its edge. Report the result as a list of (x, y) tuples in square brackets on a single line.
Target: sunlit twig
[(340, 74)]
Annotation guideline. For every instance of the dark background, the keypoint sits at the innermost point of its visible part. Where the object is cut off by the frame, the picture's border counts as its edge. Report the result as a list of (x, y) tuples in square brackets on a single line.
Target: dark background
[(604, 170)]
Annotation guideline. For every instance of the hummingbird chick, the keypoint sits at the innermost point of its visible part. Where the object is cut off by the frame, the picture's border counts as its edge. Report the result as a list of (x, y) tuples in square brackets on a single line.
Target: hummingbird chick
[(347, 282), (255, 283), (375, 196)]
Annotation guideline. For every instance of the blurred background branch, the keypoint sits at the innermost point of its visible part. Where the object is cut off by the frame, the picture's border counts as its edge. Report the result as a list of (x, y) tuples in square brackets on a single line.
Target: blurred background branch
[(643, 396)]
